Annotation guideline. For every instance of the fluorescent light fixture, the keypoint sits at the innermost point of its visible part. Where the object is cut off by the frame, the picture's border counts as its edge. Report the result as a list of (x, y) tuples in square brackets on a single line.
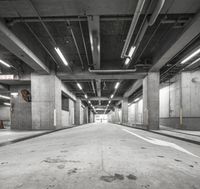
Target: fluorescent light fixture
[(191, 56), (132, 50), (109, 102), (136, 99), (112, 96), (117, 85), (14, 94), (61, 56), (79, 86), (127, 61), (86, 96), (89, 102), (4, 63), (6, 103), (195, 61), (5, 97)]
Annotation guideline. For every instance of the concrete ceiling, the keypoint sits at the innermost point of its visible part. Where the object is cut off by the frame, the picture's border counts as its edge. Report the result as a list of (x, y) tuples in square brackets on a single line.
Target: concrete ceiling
[(65, 24)]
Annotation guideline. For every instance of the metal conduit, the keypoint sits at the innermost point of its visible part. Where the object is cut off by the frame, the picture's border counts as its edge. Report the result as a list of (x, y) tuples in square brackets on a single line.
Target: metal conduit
[(112, 71)]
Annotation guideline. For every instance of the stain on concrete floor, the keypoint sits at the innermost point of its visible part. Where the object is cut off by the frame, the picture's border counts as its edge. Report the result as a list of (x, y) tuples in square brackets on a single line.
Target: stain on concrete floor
[(178, 160), (72, 171), (57, 160), (131, 177), (64, 151), (61, 166), (117, 176), (161, 156)]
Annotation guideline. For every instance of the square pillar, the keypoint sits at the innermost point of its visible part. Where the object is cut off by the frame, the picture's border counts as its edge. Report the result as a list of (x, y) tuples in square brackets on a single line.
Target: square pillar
[(125, 110), (151, 100), (46, 102), (21, 117), (77, 113)]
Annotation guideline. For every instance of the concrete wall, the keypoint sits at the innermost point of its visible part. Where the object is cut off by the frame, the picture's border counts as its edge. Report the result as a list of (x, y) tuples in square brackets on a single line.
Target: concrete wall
[(5, 115), (21, 116), (71, 112), (91, 117), (65, 118), (179, 102), (135, 112)]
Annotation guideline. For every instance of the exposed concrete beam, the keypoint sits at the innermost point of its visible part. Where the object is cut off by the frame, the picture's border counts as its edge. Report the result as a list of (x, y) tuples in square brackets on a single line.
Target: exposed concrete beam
[(133, 88), (174, 46), (102, 98), (102, 106), (11, 42), (4, 87), (94, 34), (88, 75)]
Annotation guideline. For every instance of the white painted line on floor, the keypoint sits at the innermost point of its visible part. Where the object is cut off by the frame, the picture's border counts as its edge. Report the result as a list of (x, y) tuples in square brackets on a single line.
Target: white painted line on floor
[(161, 143)]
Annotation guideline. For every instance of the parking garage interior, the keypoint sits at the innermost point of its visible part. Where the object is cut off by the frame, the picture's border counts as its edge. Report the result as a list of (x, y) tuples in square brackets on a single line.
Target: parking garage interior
[(99, 94)]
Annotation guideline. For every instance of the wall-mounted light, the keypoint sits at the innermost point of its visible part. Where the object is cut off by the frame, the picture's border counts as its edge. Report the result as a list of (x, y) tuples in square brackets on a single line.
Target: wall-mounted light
[(4, 63), (61, 56)]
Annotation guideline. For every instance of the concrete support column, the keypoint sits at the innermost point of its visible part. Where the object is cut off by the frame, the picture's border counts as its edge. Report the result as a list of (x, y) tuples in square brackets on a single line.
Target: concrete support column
[(86, 115), (77, 113), (151, 100), (46, 101), (125, 110), (21, 107)]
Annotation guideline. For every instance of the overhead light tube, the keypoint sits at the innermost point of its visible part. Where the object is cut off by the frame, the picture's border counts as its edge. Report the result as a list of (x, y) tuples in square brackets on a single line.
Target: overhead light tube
[(136, 99), (111, 96), (6, 103), (86, 96), (4, 63), (195, 61), (191, 56), (79, 86), (132, 50), (5, 97), (117, 85), (61, 56)]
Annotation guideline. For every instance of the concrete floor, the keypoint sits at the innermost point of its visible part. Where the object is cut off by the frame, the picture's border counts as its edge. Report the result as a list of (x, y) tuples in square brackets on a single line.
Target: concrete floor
[(100, 156)]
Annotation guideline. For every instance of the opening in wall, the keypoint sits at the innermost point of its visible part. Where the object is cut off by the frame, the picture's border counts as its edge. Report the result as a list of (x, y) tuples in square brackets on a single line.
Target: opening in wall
[(65, 102)]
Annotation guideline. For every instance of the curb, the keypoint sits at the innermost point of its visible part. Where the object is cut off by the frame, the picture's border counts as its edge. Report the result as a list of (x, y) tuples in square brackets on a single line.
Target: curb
[(34, 136), (171, 136)]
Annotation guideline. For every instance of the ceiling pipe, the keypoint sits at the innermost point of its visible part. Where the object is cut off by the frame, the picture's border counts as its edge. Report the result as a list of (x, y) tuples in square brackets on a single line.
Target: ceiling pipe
[(112, 71), (156, 12), (82, 19), (76, 44), (136, 16), (147, 23)]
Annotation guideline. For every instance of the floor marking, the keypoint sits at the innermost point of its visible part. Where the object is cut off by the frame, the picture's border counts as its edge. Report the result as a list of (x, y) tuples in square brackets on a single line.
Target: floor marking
[(161, 143)]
